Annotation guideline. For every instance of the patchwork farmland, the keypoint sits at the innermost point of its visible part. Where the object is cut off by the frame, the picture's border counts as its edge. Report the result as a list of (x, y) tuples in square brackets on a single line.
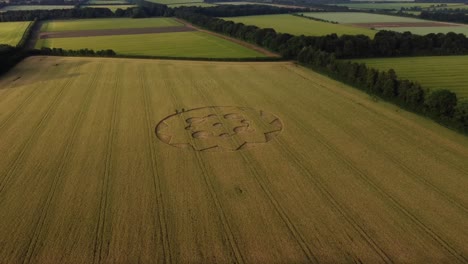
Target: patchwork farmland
[(387, 22), (441, 72), (98, 166), (300, 26), (12, 32), (140, 37)]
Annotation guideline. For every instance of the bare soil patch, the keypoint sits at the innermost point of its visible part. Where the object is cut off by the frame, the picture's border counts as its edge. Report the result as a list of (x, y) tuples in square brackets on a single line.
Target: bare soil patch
[(403, 24), (112, 32)]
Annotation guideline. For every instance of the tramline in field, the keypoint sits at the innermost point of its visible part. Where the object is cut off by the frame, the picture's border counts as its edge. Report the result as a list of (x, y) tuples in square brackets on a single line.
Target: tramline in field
[(121, 160)]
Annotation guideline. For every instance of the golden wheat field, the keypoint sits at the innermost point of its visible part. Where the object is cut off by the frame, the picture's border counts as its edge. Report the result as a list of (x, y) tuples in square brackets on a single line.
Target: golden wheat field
[(128, 161)]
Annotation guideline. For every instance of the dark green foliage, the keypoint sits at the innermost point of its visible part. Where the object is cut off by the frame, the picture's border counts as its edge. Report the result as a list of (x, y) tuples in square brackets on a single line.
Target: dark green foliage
[(441, 103)]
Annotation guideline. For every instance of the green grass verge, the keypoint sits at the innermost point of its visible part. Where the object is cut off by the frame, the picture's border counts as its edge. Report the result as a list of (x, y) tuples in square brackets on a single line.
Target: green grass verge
[(107, 23), (444, 72), (12, 32), (181, 44), (356, 17), (300, 26)]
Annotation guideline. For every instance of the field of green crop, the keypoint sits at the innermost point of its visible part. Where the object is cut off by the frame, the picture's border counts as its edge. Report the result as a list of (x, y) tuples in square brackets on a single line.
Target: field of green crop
[(12, 32), (180, 44), (34, 7), (428, 30), (98, 167), (356, 17), (111, 7), (448, 72), (107, 23), (300, 26)]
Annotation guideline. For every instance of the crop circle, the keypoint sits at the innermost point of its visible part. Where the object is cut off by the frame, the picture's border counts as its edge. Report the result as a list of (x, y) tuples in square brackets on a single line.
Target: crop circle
[(218, 128)]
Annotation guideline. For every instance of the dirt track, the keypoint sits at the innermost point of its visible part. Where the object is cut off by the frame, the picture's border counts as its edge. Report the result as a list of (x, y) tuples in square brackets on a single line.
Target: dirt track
[(112, 32), (403, 24)]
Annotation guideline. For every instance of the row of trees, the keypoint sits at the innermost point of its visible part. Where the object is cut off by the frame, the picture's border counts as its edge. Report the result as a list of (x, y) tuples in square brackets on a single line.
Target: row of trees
[(323, 53), (144, 9), (10, 56), (384, 44), (453, 16), (80, 52)]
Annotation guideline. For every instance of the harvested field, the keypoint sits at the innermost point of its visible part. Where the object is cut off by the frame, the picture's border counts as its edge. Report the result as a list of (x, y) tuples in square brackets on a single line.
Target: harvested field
[(429, 30), (404, 24), (84, 178), (357, 17), (112, 32), (12, 32), (299, 26), (440, 72), (180, 44)]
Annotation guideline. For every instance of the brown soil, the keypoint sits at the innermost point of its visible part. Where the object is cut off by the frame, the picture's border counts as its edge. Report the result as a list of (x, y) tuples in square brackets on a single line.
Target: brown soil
[(240, 42), (112, 32), (403, 24)]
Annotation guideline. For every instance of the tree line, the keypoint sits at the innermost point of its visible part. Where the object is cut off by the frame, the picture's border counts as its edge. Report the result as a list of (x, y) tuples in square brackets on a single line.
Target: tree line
[(384, 43), (460, 16), (323, 54)]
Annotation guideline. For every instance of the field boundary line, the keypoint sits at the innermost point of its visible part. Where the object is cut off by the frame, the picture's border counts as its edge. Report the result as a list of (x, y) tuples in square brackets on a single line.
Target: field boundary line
[(162, 218), (396, 205), (99, 239), (229, 236), (328, 196), (14, 165), (77, 124)]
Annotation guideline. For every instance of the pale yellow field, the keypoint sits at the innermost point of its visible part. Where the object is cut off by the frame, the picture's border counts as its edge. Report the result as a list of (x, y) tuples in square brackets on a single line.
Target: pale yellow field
[(84, 178)]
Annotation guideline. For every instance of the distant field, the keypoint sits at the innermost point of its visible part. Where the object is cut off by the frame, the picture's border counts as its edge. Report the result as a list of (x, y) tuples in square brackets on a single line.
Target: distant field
[(191, 4), (170, 2), (97, 167), (106, 2), (300, 26), (111, 7), (395, 6), (107, 23), (34, 7), (449, 72), (184, 44), (355, 17), (428, 30), (12, 32), (257, 3)]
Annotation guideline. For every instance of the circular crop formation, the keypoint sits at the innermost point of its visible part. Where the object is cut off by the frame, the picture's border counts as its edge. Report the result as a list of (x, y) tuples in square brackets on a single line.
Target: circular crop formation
[(218, 128)]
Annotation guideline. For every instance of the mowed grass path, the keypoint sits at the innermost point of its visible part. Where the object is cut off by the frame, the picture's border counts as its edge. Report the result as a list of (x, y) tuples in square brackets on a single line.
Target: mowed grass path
[(85, 179), (12, 32), (107, 23), (441, 72), (299, 26), (180, 44)]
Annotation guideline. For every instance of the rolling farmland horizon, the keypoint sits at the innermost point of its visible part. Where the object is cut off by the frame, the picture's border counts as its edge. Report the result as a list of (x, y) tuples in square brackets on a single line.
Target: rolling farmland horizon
[(101, 166)]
